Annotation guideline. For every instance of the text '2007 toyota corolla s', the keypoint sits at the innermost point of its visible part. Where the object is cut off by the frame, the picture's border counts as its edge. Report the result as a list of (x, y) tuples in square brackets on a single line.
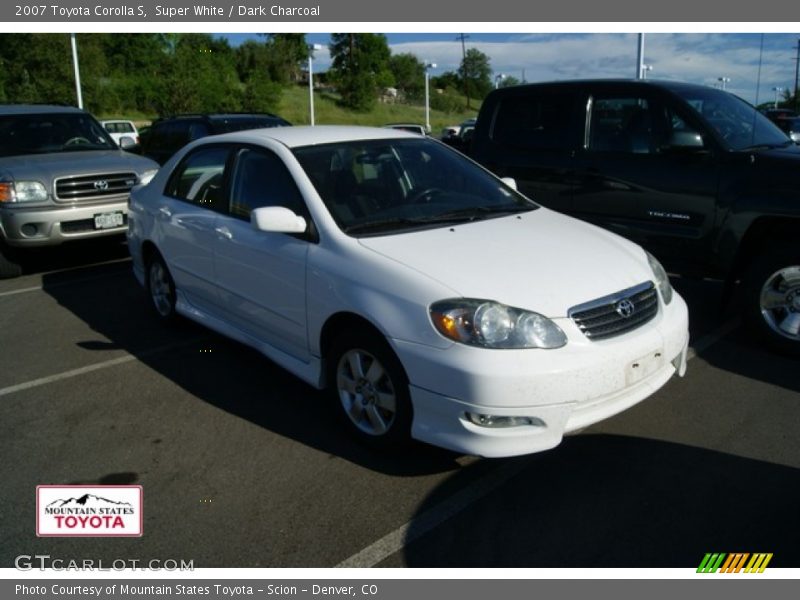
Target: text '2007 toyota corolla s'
[(430, 297)]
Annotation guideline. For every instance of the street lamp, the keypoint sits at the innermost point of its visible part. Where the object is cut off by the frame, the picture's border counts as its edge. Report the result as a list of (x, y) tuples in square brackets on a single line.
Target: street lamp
[(428, 67), (777, 91), (76, 69), (723, 81), (498, 78), (311, 49), (645, 69)]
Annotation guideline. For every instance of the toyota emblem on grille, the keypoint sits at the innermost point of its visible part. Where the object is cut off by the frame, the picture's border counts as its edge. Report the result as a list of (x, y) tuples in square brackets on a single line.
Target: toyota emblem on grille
[(101, 185), (624, 308)]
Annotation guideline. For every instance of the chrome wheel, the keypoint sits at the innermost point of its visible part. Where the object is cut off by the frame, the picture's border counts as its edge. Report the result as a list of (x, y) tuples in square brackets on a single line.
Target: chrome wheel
[(780, 302), (366, 392), (161, 288)]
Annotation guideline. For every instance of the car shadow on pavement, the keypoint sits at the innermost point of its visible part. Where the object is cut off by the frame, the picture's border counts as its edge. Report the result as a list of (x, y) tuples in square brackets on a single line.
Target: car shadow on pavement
[(222, 373), (614, 501)]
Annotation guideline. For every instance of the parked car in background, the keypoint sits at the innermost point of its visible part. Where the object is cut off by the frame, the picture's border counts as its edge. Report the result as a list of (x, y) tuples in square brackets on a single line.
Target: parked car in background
[(431, 298), (62, 178), (167, 135), (791, 127), (696, 175), (118, 129), (410, 127), (462, 138)]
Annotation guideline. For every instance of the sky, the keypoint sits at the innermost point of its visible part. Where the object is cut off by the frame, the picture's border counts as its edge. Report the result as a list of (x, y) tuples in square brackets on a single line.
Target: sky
[(693, 57)]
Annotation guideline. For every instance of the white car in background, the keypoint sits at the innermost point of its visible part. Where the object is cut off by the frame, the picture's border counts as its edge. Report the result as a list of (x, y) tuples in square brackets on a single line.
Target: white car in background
[(117, 129), (431, 298)]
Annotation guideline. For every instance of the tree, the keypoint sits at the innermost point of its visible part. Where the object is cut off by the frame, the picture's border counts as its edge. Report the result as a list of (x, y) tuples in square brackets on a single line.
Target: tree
[(409, 75), (287, 52), (447, 80), (476, 74), (509, 81), (360, 67)]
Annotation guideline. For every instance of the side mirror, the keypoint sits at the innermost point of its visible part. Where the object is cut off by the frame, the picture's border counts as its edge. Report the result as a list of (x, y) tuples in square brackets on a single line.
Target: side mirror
[(126, 142), (510, 182), (277, 219)]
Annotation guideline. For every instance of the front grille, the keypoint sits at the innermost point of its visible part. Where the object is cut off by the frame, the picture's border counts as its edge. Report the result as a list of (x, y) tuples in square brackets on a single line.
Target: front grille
[(94, 187), (607, 317)]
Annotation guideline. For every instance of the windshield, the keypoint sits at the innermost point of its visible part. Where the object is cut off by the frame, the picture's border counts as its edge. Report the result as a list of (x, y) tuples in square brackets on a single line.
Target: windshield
[(380, 186), (738, 123), (45, 133)]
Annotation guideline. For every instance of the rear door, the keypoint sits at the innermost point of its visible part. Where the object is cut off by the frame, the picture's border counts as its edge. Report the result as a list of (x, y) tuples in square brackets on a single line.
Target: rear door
[(631, 179), (532, 137)]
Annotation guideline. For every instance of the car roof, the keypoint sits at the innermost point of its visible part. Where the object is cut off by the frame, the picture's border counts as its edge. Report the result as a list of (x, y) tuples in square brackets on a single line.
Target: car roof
[(104, 121), (33, 109), (295, 137), (656, 83)]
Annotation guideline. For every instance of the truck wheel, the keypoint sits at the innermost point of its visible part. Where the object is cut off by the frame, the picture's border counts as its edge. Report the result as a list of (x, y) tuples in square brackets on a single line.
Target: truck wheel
[(370, 387), (772, 297), (9, 267)]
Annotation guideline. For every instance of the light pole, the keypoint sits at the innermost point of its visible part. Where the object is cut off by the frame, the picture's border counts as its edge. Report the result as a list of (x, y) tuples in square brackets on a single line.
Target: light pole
[(645, 69), (77, 69), (497, 79), (428, 67), (723, 81), (777, 91), (640, 58), (311, 49)]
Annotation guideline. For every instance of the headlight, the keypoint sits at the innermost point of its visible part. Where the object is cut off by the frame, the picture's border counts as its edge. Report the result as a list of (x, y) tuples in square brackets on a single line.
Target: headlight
[(23, 191), (493, 325), (662, 280), (147, 176)]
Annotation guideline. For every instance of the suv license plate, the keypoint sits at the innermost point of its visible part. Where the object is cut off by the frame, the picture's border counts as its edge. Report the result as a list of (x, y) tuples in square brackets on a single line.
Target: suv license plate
[(108, 220)]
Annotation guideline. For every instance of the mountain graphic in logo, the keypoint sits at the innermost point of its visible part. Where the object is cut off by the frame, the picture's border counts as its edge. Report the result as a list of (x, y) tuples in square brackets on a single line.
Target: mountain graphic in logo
[(87, 501)]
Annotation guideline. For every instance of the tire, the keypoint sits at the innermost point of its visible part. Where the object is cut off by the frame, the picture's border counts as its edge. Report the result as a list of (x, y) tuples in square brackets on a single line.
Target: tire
[(161, 289), (370, 389), (9, 267), (772, 299)]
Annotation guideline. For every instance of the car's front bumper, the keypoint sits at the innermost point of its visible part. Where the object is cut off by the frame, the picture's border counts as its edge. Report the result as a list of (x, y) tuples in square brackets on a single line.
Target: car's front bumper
[(566, 389), (53, 225)]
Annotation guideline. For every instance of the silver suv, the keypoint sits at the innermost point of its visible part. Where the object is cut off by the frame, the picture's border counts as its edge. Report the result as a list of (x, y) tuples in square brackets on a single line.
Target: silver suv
[(62, 178)]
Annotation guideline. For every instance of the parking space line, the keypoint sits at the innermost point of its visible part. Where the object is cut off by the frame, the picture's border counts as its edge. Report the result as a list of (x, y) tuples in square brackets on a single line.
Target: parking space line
[(432, 518), (95, 367), (429, 520)]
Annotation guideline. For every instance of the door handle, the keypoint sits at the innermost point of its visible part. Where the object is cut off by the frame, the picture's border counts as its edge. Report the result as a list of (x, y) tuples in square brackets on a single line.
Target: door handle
[(224, 232), (165, 212)]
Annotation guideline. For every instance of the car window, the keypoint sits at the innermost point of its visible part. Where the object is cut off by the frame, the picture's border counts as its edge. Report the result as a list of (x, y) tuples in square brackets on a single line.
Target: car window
[(49, 133), (626, 124), (533, 121), (200, 178), (261, 179), (119, 127)]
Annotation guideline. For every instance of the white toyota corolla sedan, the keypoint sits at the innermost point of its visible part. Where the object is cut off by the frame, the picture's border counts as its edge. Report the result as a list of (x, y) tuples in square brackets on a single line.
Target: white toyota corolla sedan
[(433, 300)]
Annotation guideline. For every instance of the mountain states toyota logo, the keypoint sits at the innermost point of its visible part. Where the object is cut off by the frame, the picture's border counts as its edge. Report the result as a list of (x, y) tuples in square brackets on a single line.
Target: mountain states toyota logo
[(89, 511)]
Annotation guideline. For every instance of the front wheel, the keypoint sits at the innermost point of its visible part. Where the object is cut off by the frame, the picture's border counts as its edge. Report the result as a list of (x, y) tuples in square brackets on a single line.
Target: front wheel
[(370, 388), (772, 296), (9, 266)]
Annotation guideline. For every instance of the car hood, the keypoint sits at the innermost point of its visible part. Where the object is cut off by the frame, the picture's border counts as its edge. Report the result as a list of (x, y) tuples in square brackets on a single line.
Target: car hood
[(540, 260), (47, 167)]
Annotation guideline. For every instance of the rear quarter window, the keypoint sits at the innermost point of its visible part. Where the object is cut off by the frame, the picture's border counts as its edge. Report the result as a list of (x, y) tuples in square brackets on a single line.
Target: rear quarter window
[(533, 121)]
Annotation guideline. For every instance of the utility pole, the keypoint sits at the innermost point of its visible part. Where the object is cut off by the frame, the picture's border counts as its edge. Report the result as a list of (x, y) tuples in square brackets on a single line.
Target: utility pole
[(640, 58), (463, 39), (796, 72), (76, 69)]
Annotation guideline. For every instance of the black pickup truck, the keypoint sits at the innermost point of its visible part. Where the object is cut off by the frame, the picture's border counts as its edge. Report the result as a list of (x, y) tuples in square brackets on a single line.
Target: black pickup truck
[(694, 174)]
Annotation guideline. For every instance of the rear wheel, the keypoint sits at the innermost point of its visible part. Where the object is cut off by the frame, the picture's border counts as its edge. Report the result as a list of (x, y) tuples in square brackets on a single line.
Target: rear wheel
[(161, 288), (772, 296), (370, 388)]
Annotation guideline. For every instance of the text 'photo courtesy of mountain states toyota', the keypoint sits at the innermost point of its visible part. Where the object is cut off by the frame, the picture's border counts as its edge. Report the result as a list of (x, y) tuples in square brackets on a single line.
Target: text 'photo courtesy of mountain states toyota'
[(431, 298), (696, 175)]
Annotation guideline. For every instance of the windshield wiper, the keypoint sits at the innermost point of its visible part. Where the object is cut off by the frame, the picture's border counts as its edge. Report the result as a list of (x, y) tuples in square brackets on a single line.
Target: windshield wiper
[(381, 224), (475, 213)]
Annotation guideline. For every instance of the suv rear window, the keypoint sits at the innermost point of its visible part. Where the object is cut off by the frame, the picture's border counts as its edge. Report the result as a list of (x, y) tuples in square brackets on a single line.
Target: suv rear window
[(533, 121)]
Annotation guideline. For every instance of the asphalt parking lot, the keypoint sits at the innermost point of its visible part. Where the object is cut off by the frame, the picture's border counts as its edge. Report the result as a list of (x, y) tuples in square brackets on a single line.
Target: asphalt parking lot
[(243, 465)]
